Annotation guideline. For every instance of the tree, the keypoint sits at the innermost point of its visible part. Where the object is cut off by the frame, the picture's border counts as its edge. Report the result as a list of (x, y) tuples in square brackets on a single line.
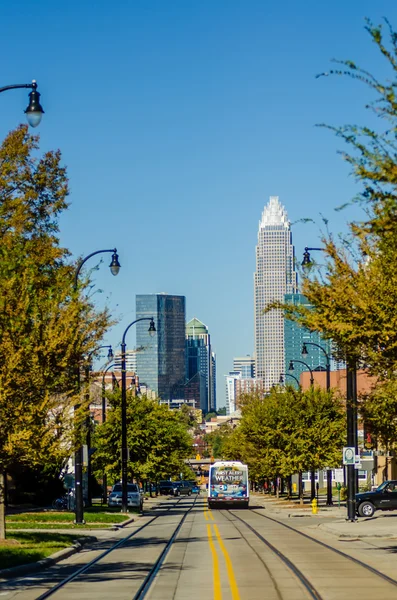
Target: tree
[(353, 299), (45, 326), (379, 413), (222, 411), (157, 437), (287, 431)]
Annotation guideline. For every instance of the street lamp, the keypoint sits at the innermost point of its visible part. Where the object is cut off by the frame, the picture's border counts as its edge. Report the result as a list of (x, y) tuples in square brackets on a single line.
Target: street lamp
[(34, 111), (291, 368), (307, 261), (78, 458), (351, 415), (88, 423), (328, 384), (124, 448), (282, 375)]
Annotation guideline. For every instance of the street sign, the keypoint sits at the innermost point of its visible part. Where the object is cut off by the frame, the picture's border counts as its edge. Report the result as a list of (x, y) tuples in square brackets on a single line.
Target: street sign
[(339, 476), (349, 455)]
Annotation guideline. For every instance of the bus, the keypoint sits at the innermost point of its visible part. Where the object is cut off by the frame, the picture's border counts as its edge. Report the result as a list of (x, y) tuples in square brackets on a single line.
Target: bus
[(228, 484)]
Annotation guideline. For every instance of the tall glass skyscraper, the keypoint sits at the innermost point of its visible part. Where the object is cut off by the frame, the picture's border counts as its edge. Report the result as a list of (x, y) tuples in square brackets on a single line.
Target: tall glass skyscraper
[(274, 277), (201, 359), (162, 358)]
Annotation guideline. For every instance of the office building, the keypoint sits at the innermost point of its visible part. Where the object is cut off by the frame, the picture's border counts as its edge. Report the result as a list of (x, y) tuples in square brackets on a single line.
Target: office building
[(274, 277), (200, 366), (245, 365), (231, 379), (295, 336), (161, 359), (130, 360)]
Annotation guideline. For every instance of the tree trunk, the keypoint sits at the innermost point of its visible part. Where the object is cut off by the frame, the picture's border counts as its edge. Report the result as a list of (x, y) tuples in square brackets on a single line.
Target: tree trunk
[(289, 486), (313, 484), (2, 507), (300, 485)]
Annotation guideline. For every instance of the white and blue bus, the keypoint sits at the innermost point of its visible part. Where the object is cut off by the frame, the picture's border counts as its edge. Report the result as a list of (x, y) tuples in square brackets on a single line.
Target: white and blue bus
[(228, 484)]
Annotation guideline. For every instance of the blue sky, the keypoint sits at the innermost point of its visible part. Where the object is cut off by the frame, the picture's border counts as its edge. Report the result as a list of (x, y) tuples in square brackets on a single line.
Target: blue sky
[(177, 120)]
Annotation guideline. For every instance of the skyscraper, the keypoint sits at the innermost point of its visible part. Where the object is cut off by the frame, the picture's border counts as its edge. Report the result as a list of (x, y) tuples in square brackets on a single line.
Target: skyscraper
[(295, 336), (201, 360), (245, 365), (161, 363), (274, 277)]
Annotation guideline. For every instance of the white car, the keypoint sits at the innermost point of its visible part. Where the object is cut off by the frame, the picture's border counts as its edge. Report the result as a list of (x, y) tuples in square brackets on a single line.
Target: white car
[(135, 499)]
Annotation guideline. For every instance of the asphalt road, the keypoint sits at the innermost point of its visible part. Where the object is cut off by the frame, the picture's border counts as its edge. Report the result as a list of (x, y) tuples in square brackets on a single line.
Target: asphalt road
[(217, 554)]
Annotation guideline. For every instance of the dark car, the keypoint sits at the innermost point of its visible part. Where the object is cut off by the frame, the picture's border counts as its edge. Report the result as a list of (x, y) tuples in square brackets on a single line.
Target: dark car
[(383, 498), (168, 488), (183, 487)]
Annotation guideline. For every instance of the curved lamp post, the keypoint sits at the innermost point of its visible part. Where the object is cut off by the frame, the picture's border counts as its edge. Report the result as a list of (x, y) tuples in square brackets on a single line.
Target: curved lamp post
[(34, 111), (328, 384), (78, 459), (307, 261), (124, 448), (282, 375), (88, 423), (291, 368)]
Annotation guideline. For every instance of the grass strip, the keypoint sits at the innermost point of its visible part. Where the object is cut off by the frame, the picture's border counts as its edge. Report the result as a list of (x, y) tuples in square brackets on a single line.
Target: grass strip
[(26, 547), (66, 517)]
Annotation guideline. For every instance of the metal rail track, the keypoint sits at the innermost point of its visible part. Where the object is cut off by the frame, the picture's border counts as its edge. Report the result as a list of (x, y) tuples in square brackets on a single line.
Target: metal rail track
[(150, 577), (88, 566), (328, 547), (313, 593)]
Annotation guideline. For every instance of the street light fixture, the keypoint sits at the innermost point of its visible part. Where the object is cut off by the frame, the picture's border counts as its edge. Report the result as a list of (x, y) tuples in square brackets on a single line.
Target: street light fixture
[(328, 385), (78, 459), (282, 375), (291, 368), (307, 261), (34, 111), (124, 448)]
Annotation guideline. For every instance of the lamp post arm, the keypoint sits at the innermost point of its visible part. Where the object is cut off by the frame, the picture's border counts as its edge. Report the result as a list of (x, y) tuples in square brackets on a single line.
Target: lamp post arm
[(328, 362), (309, 369), (81, 263), (293, 377), (17, 86), (133, 323)]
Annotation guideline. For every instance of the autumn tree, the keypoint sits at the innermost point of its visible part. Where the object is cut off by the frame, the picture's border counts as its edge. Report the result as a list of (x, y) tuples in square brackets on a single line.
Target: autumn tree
[(158, 440), (45, 325), (353, 297)]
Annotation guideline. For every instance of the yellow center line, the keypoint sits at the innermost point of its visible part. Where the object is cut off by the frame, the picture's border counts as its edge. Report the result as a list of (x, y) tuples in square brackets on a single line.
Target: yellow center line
[(215, 561), (229, 566)]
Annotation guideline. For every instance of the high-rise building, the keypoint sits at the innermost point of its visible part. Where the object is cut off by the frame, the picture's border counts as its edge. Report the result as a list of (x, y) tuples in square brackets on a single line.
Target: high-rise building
[(245, 365), (130, 360), (231, 380), (200, 365), (162, 358), (274, 277), (295, 336)]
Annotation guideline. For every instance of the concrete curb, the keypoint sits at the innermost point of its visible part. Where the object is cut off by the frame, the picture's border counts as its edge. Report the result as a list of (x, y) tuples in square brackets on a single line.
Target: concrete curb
[(45, 562), (354, 535)]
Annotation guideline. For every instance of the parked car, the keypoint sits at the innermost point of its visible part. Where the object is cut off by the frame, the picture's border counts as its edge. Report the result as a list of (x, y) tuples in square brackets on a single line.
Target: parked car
[(168, 488), (175, 488), (134, 498), (195, 489), (383, 498)]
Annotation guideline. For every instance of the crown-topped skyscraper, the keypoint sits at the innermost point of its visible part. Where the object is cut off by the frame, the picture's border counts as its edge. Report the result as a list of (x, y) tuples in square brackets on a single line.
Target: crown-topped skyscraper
[(274, 277)]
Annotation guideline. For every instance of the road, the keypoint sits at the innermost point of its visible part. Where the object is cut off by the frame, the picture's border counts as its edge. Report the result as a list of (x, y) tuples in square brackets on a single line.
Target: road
[(182, 550)]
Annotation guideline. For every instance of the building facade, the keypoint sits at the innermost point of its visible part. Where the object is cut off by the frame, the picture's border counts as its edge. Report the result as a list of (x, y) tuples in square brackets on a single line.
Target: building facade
[(294, 337), (130, 360), (200, 365), (162, 358), (245, 365), (274, 277)]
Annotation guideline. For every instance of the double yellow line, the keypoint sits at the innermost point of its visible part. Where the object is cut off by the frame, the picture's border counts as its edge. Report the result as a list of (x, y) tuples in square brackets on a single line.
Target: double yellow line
[(215, 560)]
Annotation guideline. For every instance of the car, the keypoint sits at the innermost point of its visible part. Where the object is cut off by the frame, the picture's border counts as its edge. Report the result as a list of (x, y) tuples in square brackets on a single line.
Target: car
[(134, 498), (195, 489), (168, 488), (183, 487), (383, 498)]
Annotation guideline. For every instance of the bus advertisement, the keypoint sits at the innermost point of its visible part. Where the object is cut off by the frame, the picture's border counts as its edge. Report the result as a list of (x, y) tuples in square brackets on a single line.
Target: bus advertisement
[(228, 484)]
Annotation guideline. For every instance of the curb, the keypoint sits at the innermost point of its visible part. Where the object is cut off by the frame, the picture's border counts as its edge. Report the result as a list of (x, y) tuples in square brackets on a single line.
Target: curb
[(354, 535), (46, 562)]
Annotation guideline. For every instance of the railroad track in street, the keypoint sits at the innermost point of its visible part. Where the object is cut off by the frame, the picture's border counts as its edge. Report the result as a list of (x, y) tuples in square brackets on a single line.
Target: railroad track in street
[(86, 570), (290, 558), (312, 592)]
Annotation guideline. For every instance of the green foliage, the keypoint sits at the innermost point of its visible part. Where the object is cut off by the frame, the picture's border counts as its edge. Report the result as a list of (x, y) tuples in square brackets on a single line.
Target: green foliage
[(209, 416), (379, 410), (157, 437), (354, 297), (222, 411), (288, 431), (45, 325)]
